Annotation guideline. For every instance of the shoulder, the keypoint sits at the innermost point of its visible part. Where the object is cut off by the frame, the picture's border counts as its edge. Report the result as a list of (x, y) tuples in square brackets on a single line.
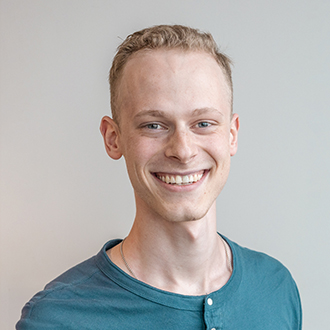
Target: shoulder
[(266, 285), (79, 275), (66, 296), (262, 274), (50, 302), (257, 263)]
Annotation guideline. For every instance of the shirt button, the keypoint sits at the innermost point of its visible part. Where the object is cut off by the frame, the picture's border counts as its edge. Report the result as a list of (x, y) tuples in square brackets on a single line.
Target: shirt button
[(213, 329), (210, 302)]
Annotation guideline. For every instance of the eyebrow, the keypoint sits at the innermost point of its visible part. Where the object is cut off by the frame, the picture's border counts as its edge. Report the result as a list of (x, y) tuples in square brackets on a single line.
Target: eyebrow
[(202, 111), (159, 113), (152, 113)]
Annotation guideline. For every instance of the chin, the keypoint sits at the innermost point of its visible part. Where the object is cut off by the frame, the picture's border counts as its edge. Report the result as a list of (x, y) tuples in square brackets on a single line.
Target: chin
[(184, 216)]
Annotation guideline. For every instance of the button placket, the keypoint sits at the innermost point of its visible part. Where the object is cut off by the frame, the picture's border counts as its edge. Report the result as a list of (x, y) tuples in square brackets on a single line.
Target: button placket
[(209, 314)]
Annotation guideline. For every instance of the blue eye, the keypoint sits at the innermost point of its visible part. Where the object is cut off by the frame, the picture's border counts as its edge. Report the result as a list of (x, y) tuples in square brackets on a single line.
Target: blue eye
[(203, 124), (153, 126)]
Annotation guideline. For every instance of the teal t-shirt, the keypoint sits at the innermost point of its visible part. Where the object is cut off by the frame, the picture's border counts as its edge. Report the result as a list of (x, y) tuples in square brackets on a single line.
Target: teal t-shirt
[(96, 294)]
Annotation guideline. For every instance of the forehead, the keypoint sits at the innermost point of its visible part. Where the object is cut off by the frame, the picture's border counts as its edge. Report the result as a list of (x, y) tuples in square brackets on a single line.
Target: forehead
[(157, 78), (171, 61)]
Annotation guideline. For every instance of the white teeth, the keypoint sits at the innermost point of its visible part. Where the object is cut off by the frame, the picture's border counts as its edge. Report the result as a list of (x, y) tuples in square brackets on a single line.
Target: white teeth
[(180, 180), (185, 179)]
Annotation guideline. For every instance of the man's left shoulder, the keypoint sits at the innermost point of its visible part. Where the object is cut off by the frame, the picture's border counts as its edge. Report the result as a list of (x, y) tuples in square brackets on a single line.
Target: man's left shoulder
[(256, 260), (267, 296), (261, 269)]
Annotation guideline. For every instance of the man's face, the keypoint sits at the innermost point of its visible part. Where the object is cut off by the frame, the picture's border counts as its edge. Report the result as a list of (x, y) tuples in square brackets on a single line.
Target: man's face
[(176, 132)]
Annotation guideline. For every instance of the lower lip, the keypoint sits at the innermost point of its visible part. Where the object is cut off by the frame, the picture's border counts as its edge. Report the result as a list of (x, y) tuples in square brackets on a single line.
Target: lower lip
[(183, 187)]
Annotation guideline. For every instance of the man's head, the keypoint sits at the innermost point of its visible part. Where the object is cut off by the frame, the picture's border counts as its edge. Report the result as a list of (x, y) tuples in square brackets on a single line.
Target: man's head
[(175, 129), (163, 37)]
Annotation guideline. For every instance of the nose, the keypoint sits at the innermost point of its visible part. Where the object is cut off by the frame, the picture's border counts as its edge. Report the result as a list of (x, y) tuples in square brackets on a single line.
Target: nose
[(181, 146)]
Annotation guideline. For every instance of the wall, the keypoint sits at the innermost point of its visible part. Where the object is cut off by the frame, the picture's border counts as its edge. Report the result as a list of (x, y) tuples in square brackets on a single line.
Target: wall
[(61, 197)]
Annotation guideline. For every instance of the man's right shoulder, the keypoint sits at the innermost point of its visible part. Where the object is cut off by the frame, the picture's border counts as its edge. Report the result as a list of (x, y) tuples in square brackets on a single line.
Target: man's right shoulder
[(49, 305)]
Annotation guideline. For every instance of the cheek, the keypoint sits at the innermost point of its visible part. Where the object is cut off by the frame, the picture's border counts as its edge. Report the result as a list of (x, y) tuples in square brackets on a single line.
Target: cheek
[(139, 152), (219, 147)]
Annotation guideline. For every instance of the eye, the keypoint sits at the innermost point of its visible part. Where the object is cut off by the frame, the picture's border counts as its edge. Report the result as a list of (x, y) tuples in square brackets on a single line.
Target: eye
[(203, 124), (153, 126)]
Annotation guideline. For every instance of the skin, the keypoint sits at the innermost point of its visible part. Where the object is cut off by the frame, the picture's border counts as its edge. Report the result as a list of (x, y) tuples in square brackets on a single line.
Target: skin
[(175, 120)]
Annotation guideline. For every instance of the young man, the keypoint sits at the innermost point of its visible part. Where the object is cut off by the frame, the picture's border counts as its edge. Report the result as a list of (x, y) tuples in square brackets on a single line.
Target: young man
[(171, 100)]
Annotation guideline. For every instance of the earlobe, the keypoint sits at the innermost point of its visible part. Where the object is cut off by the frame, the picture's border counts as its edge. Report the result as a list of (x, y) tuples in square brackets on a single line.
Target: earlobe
[(234, 127), (110, 132)]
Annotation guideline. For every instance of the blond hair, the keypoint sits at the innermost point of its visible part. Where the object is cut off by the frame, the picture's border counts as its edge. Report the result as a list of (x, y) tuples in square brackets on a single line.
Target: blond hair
[(168, 37)]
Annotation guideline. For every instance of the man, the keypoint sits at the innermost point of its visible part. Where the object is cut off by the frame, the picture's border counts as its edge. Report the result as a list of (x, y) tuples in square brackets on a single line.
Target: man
[(171, 100)]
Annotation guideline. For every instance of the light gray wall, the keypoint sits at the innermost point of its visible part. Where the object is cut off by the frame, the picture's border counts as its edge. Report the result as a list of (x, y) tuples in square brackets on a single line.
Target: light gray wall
[(61, 197)]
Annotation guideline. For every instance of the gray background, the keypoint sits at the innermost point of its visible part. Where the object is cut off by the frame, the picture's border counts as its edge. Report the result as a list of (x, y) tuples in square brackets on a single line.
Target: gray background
[(62, 197)]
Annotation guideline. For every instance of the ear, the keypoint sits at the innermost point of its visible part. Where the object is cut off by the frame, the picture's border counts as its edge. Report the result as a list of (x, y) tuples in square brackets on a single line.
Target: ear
[(234, 127), (110, 132)]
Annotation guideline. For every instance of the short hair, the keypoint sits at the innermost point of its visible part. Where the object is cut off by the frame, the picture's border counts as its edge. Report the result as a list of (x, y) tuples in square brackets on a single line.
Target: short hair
[(164, 37)]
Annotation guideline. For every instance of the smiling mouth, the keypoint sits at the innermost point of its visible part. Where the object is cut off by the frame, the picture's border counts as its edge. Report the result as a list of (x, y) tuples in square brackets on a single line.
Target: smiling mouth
[(180, 180)]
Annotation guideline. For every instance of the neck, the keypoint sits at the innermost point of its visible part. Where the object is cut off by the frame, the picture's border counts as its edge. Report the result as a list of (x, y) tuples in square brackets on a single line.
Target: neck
[(185, 257)]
